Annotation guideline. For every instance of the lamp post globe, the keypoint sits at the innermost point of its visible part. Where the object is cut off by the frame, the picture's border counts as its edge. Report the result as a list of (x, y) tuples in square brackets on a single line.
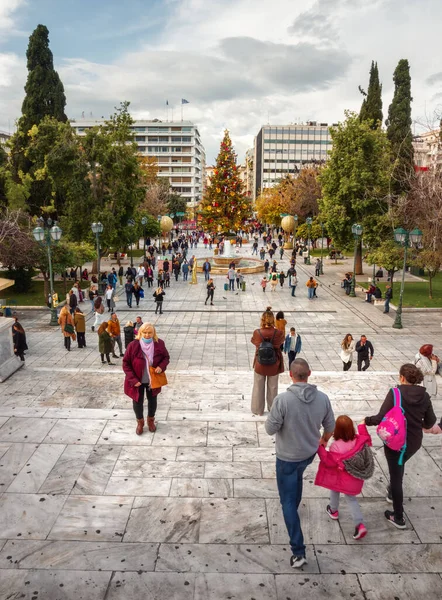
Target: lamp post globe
[(56, 233), (39, 234)]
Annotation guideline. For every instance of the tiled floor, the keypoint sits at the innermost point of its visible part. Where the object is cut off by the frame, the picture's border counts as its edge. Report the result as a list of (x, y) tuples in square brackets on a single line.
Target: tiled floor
[(89, 510)]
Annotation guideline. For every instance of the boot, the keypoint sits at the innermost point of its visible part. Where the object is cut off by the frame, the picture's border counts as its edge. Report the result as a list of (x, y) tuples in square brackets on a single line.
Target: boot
[(140, 426), (151, 423)]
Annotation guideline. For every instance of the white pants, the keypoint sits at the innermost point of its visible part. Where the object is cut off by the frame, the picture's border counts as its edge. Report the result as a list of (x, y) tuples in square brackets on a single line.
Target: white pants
[(260, 383)]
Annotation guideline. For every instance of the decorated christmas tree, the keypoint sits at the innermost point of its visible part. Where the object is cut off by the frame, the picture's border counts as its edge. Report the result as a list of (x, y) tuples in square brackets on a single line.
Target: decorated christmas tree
[(224, 206)]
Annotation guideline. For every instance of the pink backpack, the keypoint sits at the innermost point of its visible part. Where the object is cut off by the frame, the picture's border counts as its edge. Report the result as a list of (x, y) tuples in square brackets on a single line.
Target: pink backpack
[(393, 428)]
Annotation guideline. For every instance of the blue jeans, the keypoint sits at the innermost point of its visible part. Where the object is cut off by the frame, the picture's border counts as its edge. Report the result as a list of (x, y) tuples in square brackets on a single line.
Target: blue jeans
[(289, 479), (387, 305), (231, 284), (311, 292), (293, 290)]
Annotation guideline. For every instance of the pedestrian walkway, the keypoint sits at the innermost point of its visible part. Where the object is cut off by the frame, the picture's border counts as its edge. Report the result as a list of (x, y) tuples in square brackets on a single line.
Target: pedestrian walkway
[(90, 511)]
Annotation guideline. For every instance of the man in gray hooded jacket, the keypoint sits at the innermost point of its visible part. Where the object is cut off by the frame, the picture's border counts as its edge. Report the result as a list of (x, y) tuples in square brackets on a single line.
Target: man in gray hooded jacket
[(296, 418)]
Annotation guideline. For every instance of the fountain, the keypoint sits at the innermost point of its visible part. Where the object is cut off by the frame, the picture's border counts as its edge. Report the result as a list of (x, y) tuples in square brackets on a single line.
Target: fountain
[(220, 264)]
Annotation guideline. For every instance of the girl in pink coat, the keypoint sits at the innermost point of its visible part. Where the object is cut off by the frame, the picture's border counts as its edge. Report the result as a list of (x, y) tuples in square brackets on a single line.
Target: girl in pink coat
[(343, 469)]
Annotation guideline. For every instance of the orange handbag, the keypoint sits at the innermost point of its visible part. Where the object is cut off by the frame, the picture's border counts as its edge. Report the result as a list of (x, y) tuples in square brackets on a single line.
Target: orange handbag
[(157, 380)]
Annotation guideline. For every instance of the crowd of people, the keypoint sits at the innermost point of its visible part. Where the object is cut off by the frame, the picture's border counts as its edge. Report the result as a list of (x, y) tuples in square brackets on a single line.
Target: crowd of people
[(301, 418), (303, 422)]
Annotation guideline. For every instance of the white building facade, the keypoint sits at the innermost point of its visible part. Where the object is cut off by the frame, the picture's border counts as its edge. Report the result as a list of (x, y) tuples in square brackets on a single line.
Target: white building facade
[(282, 150), (427, 150), (177, 148)]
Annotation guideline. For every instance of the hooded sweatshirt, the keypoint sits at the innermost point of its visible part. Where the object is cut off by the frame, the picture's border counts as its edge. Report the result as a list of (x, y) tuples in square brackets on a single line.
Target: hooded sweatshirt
[(296, 418), (418, 410)]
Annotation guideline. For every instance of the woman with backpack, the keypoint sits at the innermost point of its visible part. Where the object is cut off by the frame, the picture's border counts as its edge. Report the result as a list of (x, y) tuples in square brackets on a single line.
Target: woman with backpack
[(273, 282), (267, 364), (343, 469), (419, 414)]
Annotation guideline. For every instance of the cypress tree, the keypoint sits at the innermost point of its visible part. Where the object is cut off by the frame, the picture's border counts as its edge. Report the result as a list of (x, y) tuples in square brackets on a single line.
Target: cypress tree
[(44, 89), (44, 97), (399, 128), (371, 109)]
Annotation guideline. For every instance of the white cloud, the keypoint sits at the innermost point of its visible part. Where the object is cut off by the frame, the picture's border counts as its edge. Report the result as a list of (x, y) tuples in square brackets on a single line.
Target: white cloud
[(241, 63), (8, 9)]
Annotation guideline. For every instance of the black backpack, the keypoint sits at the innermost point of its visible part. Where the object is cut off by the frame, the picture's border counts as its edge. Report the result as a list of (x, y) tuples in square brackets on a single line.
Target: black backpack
[(266, 352)]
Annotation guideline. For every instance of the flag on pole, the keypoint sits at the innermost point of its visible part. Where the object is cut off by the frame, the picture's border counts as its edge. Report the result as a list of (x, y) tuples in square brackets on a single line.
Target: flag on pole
[(184, 101)]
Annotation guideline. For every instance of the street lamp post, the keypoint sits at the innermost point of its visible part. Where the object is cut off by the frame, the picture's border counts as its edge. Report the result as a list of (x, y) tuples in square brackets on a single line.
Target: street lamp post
[(131, 224), (406, 239), (144, 223), (322, 247), (47, 234), (97, 228), (356, 230), (309, 221)]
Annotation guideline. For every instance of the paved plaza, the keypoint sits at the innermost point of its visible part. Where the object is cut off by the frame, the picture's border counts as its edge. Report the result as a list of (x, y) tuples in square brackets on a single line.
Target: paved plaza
[(90, 511)]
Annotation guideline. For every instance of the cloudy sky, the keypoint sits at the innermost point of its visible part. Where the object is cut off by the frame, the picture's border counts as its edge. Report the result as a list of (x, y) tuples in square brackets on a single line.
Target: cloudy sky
[(240, 63)]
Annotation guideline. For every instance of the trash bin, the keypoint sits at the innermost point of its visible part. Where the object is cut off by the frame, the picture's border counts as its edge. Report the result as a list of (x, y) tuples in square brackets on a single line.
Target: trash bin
[(8, 312), (243, 286)]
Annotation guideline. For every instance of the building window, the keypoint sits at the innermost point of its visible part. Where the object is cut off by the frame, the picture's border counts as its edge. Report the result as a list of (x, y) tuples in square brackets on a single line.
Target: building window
[(140, 138), (139, 128)]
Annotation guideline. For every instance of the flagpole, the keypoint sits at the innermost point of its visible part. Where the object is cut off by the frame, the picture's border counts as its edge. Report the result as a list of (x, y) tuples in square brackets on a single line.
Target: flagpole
[(181, 110)]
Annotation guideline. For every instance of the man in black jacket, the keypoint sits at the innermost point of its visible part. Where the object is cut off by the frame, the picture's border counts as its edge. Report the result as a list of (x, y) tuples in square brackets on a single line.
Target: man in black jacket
[(365, 351), (388, 297)]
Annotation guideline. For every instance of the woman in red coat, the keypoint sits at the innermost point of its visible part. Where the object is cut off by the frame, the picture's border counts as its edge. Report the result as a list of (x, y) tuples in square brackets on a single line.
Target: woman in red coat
[(146, 350)]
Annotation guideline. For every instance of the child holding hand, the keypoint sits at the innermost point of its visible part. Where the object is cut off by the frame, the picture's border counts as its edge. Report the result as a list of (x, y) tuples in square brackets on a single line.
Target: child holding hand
[(344, 467)]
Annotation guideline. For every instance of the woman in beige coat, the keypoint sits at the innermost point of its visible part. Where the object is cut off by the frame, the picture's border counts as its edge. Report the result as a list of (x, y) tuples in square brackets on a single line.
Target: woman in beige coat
[(65, 319), (266, 376)]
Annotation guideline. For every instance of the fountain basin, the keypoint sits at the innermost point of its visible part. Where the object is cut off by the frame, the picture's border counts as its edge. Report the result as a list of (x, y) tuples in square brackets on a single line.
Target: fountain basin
[(245, 265), (222, 261)]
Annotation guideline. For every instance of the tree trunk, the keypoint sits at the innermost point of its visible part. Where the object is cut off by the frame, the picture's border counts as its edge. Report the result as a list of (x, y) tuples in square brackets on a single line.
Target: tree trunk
[(430, 281), (359, 270), (65, 282)]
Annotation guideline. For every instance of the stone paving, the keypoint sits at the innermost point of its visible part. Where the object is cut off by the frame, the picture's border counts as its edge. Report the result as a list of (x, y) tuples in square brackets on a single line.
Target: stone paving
[(89, 510)]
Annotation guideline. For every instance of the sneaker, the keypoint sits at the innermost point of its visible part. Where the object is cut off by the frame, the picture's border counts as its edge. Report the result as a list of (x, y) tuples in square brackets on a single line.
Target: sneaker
[(332, 514), (111, 363), (360, 532), (297, 561), (389, 515), (121, 355)]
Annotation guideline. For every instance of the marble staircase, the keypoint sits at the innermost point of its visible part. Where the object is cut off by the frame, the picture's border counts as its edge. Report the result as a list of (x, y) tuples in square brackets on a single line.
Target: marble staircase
[(89, 510)]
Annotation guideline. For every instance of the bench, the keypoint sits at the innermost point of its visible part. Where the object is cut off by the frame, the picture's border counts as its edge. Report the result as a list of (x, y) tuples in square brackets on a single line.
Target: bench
[(120, 256)]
